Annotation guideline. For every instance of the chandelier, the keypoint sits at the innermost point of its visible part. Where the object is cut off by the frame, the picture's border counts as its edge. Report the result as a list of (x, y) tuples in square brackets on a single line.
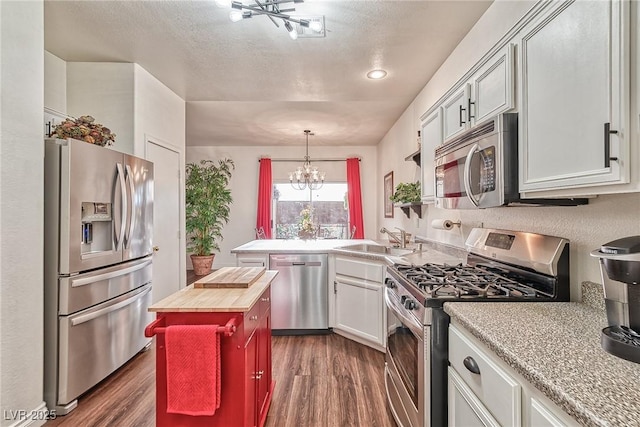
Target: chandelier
[(271, 8), (306, 176)]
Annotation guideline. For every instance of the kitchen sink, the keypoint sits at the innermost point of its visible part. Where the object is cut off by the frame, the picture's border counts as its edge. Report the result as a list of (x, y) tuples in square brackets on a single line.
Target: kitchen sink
[(377, 249)]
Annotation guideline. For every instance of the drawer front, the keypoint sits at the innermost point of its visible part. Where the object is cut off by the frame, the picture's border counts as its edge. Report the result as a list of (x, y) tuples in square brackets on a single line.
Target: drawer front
[(251, 320), (265, 302), (360, 269), (497, 390)]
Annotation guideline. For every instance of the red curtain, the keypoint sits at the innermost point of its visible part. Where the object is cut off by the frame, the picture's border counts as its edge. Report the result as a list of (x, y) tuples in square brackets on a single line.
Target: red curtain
[(264, 198), (354, 197)]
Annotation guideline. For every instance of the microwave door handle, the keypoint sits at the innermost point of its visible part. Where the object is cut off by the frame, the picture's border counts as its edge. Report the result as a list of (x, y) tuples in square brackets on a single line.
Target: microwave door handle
[(123, 206), (131, 214), (467, 173)]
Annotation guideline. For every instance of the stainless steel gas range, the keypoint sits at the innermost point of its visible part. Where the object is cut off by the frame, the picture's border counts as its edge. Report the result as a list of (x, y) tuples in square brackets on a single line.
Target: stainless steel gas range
[(501, 265)]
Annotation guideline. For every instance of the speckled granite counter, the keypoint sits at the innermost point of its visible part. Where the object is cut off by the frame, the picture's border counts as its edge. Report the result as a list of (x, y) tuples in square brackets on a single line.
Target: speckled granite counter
[(557, 349)]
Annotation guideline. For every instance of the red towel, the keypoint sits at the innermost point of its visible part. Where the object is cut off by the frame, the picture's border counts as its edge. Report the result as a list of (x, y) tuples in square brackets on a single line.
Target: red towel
[(193, 369)]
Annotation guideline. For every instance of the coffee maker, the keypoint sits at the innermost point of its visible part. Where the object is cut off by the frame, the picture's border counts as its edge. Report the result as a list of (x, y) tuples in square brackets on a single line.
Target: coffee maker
[(620, 269)]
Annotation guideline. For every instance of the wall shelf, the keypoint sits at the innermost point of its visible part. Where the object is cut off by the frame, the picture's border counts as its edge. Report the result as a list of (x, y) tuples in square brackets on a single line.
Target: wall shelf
[(414, 156), (408, 207)]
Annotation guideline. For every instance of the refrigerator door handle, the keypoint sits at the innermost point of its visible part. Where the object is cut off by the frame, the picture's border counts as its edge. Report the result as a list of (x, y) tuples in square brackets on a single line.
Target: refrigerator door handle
[(130, 213), (92, 279), (123, 206), (83, 318)]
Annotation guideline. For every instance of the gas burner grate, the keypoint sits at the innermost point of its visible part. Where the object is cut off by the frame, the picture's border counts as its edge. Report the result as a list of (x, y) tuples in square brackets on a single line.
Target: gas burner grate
[(459, 281)]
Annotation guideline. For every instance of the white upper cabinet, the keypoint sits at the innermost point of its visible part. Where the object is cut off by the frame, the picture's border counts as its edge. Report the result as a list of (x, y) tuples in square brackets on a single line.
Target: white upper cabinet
[(492, 87), (455, 115), (431, 138), (573, 100)]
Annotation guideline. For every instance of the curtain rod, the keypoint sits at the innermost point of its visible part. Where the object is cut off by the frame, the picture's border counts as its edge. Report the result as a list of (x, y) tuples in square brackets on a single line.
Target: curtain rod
[(312, 160)]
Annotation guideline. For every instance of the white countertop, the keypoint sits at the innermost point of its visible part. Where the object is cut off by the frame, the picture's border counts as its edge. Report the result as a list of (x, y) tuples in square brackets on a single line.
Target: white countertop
[(296, 245)]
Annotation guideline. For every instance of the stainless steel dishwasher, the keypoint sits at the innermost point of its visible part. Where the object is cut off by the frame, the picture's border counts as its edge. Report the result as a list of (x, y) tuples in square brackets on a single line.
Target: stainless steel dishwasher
[(299, 293)]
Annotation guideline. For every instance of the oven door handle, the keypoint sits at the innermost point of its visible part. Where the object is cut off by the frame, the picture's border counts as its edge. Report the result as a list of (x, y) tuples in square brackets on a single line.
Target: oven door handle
[(467, 174), (398, 310)]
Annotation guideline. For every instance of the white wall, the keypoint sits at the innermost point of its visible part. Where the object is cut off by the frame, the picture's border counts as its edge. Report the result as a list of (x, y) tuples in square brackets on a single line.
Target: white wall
[(104, 91), (587, 227), (160, 116), (244, 184), (21, 213)]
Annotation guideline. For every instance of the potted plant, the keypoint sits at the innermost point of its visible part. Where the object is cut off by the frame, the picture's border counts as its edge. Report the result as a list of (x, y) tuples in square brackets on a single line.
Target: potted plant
[(407, 193), (207, 202)]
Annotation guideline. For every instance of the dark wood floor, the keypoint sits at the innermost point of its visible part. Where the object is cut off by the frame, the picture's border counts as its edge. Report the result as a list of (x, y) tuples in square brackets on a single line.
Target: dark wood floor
[(321, 381)]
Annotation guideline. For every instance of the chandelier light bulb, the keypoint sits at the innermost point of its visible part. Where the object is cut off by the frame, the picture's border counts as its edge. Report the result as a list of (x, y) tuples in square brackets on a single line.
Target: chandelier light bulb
[(293, 33), (235, 15), (316, 26)]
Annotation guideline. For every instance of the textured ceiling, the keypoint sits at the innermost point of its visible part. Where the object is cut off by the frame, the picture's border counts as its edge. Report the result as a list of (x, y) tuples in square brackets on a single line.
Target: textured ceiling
[(248, 83)]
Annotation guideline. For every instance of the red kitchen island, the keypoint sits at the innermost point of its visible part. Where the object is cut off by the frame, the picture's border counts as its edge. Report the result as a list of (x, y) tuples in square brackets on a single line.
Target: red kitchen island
[(244, 328)]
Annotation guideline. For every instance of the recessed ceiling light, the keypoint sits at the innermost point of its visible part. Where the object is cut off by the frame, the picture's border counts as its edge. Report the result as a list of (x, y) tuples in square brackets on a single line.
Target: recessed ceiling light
[(377, 74)]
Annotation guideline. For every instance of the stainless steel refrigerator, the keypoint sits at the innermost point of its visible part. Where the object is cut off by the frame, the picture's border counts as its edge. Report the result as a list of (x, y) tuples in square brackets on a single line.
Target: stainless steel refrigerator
[(98, 265)]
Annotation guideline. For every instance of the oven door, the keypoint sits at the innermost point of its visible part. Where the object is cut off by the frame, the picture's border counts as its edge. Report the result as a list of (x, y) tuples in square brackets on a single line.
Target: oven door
[(405, 373)]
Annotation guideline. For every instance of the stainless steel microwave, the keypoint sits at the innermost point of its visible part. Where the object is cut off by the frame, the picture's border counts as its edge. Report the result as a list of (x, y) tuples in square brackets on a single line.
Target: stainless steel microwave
[(479, 168)]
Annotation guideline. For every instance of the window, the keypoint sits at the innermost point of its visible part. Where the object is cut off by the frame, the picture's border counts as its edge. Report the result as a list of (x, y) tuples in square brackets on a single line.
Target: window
[(330, 214)]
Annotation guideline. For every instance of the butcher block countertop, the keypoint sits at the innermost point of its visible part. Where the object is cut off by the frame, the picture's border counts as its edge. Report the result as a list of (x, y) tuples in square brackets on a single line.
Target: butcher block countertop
[(210, 300)]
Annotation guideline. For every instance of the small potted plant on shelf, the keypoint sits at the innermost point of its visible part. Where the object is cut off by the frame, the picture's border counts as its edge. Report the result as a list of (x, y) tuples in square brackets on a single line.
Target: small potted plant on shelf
[(207, 205), (407, 193)]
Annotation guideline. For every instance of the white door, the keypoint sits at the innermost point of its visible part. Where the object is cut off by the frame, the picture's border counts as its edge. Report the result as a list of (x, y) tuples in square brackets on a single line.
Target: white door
[(455, 112), (166, 220)]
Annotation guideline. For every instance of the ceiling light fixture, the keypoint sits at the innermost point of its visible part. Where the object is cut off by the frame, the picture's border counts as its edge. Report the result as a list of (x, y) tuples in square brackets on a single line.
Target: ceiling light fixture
[(271, 8), (377, 74), (306, 176)]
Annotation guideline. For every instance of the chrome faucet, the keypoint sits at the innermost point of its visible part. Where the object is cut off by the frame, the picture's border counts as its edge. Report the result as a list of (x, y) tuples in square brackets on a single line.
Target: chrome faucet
[(403, 236)]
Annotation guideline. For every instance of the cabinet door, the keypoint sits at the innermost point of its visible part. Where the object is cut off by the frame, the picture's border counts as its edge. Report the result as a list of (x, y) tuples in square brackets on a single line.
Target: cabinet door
[(251, 372), (431, 138), (543, 416), (264, 363), (464, 408), (455, 113), (574, 85), (493, 87), (252, 260), (359, 309)]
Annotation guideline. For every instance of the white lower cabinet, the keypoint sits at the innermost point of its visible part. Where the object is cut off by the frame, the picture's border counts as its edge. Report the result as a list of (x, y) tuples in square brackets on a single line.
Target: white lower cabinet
[(252, 260), (485, 391), (359, 301), (465, 409)]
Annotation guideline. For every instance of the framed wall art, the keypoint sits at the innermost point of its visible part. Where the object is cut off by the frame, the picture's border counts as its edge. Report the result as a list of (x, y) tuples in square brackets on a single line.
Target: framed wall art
[(388, 192)]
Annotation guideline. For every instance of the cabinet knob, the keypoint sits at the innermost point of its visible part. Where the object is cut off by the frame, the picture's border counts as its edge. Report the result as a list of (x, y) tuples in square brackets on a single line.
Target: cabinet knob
[(156, 248), (253, 318), (264, 299), (471, 365)]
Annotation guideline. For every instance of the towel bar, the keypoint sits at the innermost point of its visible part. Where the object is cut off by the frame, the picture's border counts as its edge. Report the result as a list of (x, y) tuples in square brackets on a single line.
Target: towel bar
[(153, 328)]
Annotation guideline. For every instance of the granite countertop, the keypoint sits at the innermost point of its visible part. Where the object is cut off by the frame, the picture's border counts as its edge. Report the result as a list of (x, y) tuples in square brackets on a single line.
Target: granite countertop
[(557, 349), (210, 300)]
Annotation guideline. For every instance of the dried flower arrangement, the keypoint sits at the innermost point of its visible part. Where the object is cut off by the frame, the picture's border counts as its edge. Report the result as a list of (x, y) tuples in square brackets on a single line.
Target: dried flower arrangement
[(85, 129)]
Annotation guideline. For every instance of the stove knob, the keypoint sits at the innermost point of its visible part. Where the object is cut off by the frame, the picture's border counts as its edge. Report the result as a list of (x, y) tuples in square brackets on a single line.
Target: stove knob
[(390, 283), (410, 304), (403, 298)]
